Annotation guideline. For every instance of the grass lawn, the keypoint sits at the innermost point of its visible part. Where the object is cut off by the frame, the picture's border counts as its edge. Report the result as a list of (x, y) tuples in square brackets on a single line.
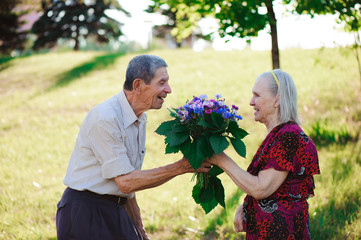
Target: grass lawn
[(44, 98)]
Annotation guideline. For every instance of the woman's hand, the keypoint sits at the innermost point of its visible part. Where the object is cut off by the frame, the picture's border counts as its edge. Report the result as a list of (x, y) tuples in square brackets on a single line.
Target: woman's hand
[(215, 159), (238, 219)]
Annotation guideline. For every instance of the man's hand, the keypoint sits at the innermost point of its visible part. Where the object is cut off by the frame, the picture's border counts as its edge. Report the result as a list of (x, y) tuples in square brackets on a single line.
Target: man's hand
[(238, 219), (142, 232), (205, 167)]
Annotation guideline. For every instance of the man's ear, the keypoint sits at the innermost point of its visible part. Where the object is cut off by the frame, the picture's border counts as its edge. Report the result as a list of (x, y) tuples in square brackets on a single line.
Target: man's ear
[(137, 85)]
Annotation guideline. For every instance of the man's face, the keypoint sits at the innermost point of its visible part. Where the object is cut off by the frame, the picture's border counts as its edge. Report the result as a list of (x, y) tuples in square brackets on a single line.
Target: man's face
[(152, 95)]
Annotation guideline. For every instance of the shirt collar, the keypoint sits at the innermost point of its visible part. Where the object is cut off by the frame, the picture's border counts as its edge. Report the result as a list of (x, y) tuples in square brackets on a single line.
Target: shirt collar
[(129, 116)]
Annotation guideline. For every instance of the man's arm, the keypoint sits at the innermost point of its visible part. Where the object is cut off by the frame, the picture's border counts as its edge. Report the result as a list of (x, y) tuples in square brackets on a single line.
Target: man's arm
[(142, 179), (133, 211)]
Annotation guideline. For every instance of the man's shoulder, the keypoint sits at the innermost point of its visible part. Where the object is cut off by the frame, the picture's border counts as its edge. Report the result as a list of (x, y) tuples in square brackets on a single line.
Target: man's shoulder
[(109, 110)]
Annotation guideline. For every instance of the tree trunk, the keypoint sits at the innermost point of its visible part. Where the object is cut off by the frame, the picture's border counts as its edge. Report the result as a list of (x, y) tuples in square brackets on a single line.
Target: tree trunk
[(273, 23), (76, 46)]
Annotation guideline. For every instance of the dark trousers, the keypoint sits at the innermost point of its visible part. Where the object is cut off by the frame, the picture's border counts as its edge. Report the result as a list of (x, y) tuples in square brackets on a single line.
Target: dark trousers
[(88, 216)]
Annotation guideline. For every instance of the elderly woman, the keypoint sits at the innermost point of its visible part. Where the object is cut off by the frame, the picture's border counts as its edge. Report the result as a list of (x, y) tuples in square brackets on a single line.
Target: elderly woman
[(279, 180)]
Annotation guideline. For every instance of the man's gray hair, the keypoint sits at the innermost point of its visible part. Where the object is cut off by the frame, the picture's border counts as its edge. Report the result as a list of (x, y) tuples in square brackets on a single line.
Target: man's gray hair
[(142, 67), (287, 93)]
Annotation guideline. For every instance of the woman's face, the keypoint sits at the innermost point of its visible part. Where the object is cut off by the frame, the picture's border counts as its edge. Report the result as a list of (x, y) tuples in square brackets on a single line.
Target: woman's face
[(264, 102)]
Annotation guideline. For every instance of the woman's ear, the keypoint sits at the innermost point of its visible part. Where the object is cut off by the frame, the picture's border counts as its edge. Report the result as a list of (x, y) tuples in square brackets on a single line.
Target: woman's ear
[(137, 85), (277, 101)]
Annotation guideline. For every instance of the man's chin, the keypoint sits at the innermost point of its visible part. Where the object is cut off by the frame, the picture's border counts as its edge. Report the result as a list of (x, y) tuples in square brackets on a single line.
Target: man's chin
[(157, 106)]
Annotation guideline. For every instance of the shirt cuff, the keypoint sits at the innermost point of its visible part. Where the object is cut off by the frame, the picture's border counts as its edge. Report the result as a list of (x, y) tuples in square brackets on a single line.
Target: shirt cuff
[(116, 166)]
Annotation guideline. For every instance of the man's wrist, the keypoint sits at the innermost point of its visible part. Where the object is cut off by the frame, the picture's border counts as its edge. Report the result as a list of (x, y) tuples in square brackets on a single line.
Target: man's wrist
[(182, 166)]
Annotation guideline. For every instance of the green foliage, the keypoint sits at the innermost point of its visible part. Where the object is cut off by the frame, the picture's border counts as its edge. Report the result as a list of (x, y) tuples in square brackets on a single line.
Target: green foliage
[(182, 19), (239, 18), (323, 134), (347, 11), (218, 143), (239, 146), (200, 135), (11, 38), (75, 19)]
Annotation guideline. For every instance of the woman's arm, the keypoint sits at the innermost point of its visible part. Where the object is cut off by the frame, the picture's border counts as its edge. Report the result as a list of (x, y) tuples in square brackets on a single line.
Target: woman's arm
[(259, 187)]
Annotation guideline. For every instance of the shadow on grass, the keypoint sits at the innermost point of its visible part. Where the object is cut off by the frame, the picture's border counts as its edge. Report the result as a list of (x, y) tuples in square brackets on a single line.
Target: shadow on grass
[(331, 218), (324, 134), (97, 63), (219, 220), (5, 62)]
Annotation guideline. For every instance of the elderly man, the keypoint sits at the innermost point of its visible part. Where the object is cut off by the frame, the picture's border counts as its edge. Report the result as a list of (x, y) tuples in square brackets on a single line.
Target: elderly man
[(104, 168)]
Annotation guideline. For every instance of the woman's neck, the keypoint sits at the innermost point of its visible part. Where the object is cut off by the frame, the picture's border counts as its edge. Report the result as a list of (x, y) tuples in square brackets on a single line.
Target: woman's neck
[(272, 124)]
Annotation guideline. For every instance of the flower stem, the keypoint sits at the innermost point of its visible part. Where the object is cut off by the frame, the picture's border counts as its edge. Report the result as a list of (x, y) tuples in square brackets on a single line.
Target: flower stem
[(202, 179)]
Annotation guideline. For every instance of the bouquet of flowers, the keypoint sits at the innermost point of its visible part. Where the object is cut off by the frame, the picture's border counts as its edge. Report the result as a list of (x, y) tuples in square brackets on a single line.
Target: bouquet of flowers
[(200, 128)]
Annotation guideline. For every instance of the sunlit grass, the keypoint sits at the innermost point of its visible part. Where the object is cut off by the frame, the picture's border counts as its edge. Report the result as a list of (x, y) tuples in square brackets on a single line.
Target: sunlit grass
[(44, 98)]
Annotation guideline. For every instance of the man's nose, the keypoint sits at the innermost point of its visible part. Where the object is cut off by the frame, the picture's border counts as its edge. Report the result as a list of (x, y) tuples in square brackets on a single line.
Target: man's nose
[(168, 89)]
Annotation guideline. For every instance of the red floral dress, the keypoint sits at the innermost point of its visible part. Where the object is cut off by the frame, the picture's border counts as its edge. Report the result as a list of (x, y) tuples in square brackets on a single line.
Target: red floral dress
[(284, 214)]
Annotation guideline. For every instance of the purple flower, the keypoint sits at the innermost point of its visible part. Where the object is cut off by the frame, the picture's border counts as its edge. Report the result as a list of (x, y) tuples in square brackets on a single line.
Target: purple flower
[(218, 96), (227, 115), (203, 96), (208, 111)]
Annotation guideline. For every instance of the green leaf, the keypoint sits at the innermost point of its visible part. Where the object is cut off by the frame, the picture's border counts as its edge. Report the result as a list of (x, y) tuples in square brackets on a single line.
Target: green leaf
[(205, 146), (184, 147), (195, 154), (207, 198), (165, 128), (217, 119), (218, 143), (239, 146), (180, 128), (219, 191), (215, 171), (236, 131), (207, 192), (173, 112), (203, 122), (174, 149), (209, 205), (176, 138), (196, 192)]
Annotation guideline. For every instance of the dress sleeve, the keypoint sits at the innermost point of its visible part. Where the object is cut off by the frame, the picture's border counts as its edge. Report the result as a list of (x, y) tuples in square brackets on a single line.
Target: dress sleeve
[(282, 153), (294, 153), (107, 143)]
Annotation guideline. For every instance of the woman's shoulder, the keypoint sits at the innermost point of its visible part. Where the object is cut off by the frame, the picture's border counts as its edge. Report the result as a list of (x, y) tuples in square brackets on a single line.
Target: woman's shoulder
[(292, 130), (290, 126)]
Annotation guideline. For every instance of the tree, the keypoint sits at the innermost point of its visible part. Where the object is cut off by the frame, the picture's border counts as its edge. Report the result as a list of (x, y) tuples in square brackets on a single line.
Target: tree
[(182, 19), (348, 12), (76, 19), (11, 37), (243, 18)]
